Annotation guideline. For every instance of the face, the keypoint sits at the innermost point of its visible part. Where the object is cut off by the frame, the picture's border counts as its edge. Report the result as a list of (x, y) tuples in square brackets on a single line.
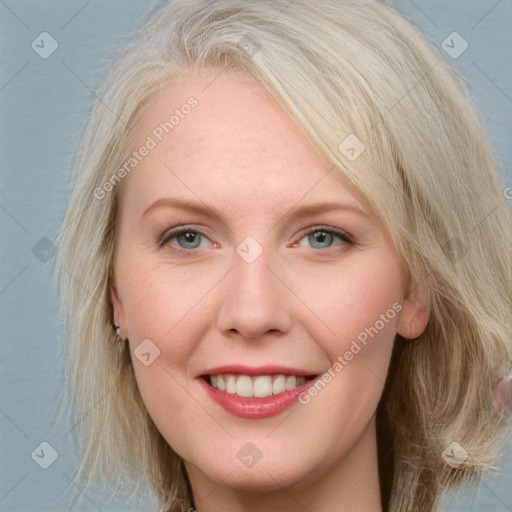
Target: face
[(259, 296)]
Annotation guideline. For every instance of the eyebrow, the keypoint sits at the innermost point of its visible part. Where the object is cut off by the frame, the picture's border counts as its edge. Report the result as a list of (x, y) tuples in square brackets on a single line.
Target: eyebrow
[(183, 204), (296, 211)]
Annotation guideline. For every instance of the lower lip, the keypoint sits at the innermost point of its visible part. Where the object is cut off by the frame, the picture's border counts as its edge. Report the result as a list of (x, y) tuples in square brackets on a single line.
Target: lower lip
[(256, 408)]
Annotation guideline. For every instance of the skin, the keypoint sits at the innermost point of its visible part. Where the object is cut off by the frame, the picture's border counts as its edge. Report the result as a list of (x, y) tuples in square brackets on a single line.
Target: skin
[(299, 304)]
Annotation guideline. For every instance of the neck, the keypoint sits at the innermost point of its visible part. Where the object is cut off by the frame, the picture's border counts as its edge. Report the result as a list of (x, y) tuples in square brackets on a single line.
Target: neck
[(351, 484)]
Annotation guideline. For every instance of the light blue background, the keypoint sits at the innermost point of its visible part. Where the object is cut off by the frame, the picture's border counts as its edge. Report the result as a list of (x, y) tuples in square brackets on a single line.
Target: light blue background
[(44, 104)]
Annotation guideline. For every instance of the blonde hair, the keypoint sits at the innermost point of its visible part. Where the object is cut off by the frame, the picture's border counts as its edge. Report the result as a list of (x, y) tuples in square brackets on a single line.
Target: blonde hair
[(339, 68)]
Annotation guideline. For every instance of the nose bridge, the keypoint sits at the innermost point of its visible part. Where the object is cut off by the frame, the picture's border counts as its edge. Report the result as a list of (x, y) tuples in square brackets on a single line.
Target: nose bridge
[(254, 303), (252, 280)]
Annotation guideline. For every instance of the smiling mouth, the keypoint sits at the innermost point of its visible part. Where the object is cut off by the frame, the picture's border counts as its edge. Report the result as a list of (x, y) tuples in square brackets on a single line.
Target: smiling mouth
[(256, 386)]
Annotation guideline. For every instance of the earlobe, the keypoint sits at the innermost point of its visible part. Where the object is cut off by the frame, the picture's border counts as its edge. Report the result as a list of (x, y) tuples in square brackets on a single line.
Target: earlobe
[(117, 307), (414, 315)]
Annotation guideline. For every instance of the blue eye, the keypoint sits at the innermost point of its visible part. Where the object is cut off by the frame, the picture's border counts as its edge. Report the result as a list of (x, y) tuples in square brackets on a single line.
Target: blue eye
[(189, 239), (184, 239), (321, 238)]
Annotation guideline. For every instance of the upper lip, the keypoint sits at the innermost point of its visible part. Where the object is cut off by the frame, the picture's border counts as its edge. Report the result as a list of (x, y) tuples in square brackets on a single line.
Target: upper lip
[(258, 370)]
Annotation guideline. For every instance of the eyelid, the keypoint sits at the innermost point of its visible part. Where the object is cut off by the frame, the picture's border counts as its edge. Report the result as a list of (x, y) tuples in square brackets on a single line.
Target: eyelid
[(173, 231), (179, 229), (341, 233)]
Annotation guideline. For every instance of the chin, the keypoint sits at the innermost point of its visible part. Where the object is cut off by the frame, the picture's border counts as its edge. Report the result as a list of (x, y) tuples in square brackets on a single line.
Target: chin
[(269, 475), (257, 480)]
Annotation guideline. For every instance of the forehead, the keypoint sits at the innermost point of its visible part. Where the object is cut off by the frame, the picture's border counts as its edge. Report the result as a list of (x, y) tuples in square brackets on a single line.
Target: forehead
[(236, 138)]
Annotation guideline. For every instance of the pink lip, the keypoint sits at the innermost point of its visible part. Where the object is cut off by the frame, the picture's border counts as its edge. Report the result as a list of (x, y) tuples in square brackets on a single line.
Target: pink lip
[(255, 408)]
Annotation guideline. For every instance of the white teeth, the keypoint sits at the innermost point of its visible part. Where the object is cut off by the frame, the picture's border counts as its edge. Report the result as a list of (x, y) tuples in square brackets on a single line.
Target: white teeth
[(244, 386), (220, 383), (291, 382), (231, 384), (278, 386), (259, 387), (262, 386)]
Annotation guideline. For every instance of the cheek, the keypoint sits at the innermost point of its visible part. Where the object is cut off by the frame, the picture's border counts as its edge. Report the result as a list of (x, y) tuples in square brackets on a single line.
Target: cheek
[(359, 301), (167, 306), (360, 305), (163, 302), (160, 307)]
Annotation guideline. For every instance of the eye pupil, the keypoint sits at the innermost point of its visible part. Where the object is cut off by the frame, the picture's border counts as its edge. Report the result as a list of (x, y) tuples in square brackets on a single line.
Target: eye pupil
[(189, 239), (320, 236), (321, 239)]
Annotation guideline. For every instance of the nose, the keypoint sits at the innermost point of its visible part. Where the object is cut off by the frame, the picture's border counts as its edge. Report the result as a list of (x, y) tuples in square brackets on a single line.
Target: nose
[(256, 302)]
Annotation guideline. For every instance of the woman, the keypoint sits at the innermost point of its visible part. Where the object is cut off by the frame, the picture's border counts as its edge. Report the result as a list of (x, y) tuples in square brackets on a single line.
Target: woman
[(285, 264)]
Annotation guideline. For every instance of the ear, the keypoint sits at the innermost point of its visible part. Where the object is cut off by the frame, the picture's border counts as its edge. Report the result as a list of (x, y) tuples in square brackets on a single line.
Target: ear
[(117, 306), (415, 314)]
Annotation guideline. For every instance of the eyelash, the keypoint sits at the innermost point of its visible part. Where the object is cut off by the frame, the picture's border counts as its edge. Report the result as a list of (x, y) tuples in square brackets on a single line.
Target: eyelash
[(336, 232), (168, 235), (171, 233)]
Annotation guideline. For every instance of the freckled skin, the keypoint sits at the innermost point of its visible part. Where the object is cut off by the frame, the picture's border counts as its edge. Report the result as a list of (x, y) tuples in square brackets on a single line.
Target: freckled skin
[(298, 304)]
